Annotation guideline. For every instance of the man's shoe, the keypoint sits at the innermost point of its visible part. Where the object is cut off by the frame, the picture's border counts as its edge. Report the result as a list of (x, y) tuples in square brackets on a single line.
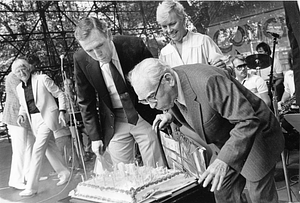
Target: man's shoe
[(20, 186), (28, 193), (63, 178)]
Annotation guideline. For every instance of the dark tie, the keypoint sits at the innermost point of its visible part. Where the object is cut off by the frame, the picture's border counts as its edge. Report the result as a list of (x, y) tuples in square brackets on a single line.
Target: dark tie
[(121, 87)]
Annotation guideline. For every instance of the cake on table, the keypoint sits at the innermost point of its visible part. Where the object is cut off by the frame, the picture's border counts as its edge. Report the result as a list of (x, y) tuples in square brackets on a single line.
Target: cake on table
[(128, 183)]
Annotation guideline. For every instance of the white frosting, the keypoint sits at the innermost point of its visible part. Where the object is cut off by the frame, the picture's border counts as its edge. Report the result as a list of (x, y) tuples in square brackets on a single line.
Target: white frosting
[(126, 184)]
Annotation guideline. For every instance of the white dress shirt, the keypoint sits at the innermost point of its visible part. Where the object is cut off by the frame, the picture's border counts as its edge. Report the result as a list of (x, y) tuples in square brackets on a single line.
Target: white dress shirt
[(115, 98)]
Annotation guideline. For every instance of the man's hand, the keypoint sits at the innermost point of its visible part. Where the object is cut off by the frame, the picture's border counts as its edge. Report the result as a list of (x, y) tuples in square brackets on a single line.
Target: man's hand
[(62, 118), (219, 63), (215, 173), (20, 120), (162, 120), (98, 147)]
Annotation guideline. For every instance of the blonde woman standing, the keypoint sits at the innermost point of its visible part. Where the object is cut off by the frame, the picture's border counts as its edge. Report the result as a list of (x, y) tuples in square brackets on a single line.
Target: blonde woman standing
[(185, 47)]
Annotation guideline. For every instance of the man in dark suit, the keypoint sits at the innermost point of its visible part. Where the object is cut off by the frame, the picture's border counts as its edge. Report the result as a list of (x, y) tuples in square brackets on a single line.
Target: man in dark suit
[(104, 113), (221, 111)]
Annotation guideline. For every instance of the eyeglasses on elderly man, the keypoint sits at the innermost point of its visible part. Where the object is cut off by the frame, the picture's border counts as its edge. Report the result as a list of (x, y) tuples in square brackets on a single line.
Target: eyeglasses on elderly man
[(152, 98)]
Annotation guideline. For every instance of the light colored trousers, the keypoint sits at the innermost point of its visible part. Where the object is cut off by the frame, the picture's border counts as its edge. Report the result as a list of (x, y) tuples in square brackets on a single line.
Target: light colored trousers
[(44, 144), (22, 141), (121, 146)]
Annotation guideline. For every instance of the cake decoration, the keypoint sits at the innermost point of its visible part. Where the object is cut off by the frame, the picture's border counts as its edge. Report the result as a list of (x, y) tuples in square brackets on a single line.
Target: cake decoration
[(128, 183)]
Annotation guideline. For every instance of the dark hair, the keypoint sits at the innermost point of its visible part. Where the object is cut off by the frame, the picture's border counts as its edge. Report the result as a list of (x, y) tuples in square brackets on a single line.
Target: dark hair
[(265, 47), (86, 25), (33, 59), (30, 58)]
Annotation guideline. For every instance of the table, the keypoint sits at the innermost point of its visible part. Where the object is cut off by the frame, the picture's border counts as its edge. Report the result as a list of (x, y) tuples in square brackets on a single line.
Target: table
[(193, 193)]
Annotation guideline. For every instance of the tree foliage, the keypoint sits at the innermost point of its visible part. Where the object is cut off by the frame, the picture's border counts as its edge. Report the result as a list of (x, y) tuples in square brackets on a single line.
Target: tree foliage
[(45, 28)]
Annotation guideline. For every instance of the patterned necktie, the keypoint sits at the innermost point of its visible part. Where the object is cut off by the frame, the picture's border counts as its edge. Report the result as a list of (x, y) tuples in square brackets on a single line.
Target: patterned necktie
[(121, 87)]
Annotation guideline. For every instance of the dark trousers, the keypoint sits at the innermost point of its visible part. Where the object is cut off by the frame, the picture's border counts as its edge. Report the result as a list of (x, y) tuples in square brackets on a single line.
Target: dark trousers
[(262, 191)]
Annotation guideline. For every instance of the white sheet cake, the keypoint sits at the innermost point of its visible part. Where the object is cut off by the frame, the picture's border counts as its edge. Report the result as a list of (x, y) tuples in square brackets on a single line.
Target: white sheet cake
[(130, 184)]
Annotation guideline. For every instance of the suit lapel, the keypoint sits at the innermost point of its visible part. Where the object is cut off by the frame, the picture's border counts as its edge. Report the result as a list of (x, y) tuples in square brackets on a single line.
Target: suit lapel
[(125, 61), (178, 115), (95, 73), (192, 105)]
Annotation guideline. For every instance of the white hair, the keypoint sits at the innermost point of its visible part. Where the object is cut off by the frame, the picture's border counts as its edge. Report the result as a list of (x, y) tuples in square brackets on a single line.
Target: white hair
[(148, 71), (20, 62), (166, 7)]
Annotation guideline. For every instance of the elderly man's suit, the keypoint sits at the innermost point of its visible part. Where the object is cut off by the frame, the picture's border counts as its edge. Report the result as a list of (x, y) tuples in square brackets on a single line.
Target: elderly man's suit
[(225, 113), (91, 89), (43, 125)]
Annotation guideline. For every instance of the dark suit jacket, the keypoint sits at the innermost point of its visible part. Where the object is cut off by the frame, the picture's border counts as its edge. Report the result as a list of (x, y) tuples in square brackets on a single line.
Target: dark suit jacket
[(227, 114), (91, 88)]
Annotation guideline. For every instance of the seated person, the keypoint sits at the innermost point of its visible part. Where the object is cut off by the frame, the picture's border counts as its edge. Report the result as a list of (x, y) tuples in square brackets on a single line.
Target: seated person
[(264, 48), (252, 82), (288, 100), (287, 105), (289, 90)]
